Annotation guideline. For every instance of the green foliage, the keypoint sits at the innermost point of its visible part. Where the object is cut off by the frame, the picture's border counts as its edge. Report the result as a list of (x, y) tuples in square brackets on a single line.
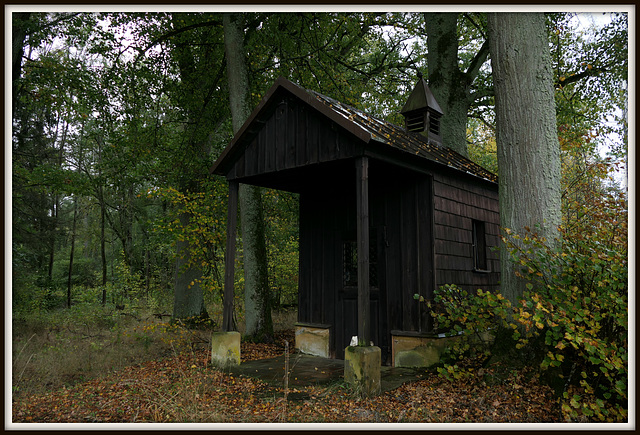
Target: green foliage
[(573, 320), (590, 66), (84, 272), (281, 232), (474, 319), (127, 284), (205, 232), (578, 301)]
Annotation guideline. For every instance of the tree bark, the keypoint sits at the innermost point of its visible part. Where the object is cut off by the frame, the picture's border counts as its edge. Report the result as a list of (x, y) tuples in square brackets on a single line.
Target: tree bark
[(257, 302), (103, 223), (19, 35), (526, 133), (188, 295), (188, 302), (73, 243), (450, 85)]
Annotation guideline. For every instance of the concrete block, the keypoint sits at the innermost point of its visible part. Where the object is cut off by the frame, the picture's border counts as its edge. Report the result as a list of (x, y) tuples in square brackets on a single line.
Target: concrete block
[(421, 356), (225, 348), (417, 351), (312, 340), (362, 366), (424, 350)]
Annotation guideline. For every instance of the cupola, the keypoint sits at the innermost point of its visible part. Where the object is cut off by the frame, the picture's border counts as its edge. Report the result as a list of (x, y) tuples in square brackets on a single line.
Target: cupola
[(422, 112)]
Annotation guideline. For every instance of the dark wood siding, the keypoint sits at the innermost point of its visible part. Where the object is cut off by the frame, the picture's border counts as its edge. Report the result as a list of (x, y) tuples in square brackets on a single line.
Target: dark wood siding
[(401, 221), (293, 136), (457, 202), (324, 220), (405, 203)]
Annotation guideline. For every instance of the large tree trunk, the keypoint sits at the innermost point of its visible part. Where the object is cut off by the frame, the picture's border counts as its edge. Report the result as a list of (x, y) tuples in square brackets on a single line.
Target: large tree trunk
[(450, 85), (19, 35), (257, 302), (188, 302), (526, 133)]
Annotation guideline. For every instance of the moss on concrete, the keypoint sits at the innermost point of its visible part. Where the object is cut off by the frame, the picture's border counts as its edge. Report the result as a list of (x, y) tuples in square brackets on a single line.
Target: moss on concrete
[(362, 365), (225, 348)]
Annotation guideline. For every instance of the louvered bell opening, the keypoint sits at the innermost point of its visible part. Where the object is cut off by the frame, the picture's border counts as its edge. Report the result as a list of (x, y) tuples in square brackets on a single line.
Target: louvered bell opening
[(434, 124), (415, 122)]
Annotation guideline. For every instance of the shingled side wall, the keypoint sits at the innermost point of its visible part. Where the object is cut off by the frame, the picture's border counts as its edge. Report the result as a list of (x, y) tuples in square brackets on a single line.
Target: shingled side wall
[(457, 202)]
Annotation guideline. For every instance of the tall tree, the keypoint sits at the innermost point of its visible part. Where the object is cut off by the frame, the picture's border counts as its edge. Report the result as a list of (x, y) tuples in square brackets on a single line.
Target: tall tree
[(526, 133), (257, 300), (199, 61), (449, 83)]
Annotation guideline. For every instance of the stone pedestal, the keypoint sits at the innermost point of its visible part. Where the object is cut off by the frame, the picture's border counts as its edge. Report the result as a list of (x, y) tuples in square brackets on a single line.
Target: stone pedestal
[(414, 349), (225, 348), (313, 339), (362, 369)]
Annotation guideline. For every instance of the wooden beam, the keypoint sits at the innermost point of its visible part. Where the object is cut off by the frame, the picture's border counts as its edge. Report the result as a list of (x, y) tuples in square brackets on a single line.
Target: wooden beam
[(230, 257), (362, 206)]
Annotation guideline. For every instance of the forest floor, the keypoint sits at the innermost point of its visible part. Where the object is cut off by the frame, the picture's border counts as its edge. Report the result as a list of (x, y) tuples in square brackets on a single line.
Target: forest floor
[(184, 387)]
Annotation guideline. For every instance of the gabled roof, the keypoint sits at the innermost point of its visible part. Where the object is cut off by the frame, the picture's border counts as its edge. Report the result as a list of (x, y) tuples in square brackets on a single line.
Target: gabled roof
[(365, 127)]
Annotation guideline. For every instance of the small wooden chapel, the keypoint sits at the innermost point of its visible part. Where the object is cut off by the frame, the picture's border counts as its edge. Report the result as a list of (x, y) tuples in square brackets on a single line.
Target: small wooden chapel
[(386, 212)]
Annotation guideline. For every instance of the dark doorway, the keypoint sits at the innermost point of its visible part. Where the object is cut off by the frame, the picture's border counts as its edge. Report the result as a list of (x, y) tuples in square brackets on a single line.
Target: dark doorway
[(347, 307)]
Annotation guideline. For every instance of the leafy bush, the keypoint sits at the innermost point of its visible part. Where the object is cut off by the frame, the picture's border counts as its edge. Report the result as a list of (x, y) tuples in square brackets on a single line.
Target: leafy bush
[(474, 318), (573, 318), (83, 274), (578, 301)]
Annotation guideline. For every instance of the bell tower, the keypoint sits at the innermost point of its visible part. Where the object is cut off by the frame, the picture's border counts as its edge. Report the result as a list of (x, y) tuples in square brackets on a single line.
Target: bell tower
[(422, 112)]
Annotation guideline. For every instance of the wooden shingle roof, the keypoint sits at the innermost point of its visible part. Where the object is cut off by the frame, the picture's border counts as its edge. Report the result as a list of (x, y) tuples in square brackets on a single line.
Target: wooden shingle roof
[(410, 142), (365, 127)]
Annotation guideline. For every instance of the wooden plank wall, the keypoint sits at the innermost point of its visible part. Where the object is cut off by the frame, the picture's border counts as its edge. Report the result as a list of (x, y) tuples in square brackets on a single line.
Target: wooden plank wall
[(457, 202), (401, 217), (404, 214), (293, 136), (327, 219)]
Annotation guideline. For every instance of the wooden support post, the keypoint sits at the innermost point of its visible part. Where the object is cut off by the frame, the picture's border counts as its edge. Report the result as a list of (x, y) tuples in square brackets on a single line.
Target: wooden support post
[(362, 206), (230, 257)]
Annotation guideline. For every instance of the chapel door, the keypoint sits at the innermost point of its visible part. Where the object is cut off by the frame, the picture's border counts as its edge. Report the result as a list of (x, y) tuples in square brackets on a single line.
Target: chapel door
[(347, 315)]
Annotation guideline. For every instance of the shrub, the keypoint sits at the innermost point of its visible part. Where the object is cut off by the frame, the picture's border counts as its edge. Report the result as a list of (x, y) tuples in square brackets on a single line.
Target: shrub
[(578, 301), (475, 317), (573, 317)]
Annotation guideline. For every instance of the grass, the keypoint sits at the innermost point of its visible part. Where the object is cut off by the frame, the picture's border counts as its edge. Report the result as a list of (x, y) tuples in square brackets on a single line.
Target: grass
[(65, 346)]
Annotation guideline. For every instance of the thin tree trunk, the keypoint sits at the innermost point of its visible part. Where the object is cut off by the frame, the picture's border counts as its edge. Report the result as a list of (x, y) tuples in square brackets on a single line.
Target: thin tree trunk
[(259, 325), (103, 223), (73, 243), (19, 30), (526, 133), (103, 252), (56, 205), (52, 240)]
